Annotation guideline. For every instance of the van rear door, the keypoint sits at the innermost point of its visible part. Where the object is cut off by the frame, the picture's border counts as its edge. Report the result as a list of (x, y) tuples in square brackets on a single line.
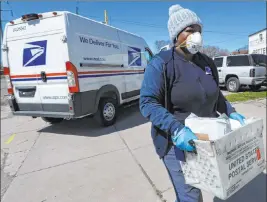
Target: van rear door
[(24, 77), (37, 57), (52, 80)]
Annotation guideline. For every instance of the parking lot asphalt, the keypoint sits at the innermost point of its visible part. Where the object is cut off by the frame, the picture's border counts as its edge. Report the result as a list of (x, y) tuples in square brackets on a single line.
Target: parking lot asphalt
[(80, 161)]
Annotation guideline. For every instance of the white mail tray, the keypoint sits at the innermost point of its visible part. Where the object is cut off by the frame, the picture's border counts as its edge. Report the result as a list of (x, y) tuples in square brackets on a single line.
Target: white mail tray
[(223, 166)]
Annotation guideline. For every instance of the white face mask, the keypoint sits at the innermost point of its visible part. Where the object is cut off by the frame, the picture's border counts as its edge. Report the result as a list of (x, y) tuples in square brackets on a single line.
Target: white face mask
[(193, 43)]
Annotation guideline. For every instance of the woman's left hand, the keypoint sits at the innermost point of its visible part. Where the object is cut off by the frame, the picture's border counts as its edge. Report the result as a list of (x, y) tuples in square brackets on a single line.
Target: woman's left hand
[(238, 117)]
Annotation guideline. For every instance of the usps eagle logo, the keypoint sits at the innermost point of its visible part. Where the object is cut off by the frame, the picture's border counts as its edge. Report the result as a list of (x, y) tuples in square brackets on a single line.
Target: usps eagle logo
[(34, 53), (134, 57)]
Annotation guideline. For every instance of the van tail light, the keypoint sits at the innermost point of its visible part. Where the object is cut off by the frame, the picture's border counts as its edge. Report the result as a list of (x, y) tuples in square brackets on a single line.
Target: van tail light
[(8, 81), (72, 77), (252, 73)]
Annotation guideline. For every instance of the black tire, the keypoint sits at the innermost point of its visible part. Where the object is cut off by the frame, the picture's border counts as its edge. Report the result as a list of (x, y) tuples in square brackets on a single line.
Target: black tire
[(107, 112), (52, 120), (233, 84), (254, 88)]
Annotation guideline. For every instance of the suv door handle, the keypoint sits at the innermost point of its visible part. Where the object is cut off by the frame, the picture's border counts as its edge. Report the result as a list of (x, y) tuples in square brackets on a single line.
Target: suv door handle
[(219, 70)]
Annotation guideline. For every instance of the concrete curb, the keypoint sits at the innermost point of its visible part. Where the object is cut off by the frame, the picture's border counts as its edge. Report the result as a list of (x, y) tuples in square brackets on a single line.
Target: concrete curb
[(248, 101)]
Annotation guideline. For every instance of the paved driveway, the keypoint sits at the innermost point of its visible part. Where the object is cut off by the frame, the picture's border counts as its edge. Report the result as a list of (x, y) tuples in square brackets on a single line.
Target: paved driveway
[(79, 161)]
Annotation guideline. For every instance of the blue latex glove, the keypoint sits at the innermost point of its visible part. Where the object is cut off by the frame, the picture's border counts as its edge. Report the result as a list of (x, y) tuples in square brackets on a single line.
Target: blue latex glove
[(181, 139), (238, 117)]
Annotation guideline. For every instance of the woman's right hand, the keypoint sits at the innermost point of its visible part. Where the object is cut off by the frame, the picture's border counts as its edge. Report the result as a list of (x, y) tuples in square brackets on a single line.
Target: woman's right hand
[(181, 139)]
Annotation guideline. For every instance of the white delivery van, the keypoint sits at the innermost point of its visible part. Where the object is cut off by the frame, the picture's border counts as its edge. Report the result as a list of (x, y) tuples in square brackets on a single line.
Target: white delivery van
[(167, 47), (59, 65)]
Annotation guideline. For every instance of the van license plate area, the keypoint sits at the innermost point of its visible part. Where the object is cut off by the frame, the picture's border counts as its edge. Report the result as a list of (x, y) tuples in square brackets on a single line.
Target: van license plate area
[(26, 92)]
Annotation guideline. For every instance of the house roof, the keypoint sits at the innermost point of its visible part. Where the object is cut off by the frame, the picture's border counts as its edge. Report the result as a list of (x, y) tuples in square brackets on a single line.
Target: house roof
[(257, 32)]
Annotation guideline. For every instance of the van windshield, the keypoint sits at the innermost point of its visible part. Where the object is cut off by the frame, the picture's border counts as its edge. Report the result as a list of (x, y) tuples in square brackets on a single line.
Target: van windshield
[(259, 60)]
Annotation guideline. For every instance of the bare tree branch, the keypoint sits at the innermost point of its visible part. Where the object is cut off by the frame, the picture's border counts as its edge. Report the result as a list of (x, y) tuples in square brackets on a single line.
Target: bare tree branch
[(213, 51), (160, 43)]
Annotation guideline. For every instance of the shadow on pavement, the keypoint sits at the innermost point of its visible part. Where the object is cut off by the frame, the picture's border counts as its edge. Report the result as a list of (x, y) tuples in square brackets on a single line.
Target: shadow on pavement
[(127, 118), (255, 191)]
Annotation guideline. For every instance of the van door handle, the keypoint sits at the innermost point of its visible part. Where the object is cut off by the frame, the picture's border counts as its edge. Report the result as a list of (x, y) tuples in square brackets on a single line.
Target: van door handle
[(219, 70), (43, 76)]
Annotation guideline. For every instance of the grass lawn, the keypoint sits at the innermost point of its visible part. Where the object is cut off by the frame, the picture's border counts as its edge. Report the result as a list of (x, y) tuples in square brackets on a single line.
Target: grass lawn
[(237, 97)]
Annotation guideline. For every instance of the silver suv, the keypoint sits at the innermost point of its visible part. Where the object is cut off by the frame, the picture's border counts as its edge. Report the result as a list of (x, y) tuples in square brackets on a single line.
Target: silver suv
[(236, 71)]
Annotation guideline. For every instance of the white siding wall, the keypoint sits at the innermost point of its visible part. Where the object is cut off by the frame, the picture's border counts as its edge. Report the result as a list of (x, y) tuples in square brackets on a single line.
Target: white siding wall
[(257, 43)]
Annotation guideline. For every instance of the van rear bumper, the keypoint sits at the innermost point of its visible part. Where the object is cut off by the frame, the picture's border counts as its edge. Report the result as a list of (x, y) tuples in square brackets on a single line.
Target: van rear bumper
[(80, 105), (44, 114), (30, 109)]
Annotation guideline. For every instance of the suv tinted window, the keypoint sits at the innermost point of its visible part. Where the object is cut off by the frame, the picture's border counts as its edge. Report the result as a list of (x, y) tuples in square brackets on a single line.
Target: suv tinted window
[(259, 59), (218, 62), (241, 60)]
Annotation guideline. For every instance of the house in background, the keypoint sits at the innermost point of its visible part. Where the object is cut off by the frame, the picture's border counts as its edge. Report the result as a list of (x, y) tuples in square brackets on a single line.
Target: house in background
[(257, 42), (239, 52)]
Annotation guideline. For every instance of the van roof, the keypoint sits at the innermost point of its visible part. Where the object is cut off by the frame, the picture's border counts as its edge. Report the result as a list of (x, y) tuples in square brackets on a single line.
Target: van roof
[(102, 23), (49, 14)]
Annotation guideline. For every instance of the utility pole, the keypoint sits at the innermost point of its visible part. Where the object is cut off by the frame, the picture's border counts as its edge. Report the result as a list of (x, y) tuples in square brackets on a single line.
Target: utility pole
[(77, 7), (1, 37), (105, 17), (1, 28), (7, 10), (1, 31)]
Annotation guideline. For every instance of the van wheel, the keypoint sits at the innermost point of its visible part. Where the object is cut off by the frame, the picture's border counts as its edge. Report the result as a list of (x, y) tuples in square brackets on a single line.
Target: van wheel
[(52, 120), (233, 84), (107, 111), (254, 88)]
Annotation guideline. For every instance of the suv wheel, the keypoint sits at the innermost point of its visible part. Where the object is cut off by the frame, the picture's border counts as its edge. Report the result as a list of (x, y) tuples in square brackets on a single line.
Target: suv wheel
[(233, 84), (52, 120), (107, 111), (254, 88)]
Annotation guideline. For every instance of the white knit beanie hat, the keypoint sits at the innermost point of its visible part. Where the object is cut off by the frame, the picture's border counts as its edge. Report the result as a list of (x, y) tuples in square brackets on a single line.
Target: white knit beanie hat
[(179, 19)]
